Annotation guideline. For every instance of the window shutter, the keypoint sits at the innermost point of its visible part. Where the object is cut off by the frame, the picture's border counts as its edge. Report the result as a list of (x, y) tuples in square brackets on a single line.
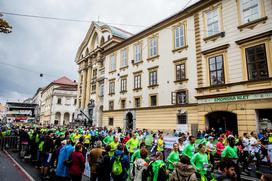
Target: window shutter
[(173, 98)]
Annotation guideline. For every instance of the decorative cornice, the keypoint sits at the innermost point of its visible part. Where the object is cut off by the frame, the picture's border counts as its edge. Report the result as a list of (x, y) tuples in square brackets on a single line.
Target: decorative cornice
[(255, 37), (222, 47)]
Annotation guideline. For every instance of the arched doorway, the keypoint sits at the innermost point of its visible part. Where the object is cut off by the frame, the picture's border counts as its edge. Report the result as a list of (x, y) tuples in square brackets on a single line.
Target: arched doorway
[(57, 118), (66, 118), (129, 120), (222, 121)]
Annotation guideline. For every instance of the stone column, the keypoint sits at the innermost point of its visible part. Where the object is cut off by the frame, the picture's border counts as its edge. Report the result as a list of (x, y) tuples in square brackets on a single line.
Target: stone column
[(61, 119), (88, 88), (83, 97), (78, 90)]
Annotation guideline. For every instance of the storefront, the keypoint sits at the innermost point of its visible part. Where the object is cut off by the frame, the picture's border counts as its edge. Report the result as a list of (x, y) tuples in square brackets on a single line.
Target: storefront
[(237, 113)]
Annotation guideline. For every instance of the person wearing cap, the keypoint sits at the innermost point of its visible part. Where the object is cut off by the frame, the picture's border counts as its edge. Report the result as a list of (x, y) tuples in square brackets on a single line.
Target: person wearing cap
[(210, 149)]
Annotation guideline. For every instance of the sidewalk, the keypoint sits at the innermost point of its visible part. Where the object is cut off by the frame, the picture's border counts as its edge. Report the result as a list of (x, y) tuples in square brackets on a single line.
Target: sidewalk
[(9, 170)]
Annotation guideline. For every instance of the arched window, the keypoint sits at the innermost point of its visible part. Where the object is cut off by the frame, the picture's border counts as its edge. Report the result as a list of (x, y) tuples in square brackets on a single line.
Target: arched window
[(102, 41), (108, 38)]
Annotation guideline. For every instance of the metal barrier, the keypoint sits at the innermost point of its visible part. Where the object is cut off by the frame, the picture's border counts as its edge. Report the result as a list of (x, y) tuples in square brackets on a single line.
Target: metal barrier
[(9, 142)]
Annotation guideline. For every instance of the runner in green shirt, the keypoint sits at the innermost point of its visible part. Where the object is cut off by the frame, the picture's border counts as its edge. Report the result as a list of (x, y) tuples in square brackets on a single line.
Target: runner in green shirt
[(132, 144), (108, 139), (200, 160), (173, 157), (113, 146), (189, 149), (230, 151)]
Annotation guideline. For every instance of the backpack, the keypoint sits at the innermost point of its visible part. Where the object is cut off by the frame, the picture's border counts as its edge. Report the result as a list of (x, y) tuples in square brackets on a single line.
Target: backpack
[(99, 163), (117, 168)]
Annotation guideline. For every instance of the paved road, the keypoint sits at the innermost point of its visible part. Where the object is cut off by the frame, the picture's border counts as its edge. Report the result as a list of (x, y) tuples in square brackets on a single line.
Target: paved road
[(31, 170), (9, 171)]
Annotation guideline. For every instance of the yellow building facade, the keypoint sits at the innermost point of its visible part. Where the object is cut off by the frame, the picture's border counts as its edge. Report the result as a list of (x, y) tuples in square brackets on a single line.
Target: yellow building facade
[(208, 66)]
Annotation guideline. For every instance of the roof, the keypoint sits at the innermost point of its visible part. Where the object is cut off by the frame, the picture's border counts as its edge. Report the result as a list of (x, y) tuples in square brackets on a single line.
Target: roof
[(64, 80), (189, 8), (115, 30)]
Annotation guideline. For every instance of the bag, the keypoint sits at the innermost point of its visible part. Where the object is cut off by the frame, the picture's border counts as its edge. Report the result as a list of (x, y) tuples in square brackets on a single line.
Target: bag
[(68, 163), (117, 168), (99, 163)]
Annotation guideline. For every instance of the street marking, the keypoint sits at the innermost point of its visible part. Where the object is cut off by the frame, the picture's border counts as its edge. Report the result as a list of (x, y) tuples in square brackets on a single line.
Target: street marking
[(18, 165)]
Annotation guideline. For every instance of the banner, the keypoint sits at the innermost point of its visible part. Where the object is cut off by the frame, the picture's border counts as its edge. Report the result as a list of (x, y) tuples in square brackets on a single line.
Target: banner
[(169, 141)]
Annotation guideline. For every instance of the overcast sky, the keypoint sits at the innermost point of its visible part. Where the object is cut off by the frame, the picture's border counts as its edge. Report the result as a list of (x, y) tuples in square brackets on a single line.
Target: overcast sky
[(49, 46)]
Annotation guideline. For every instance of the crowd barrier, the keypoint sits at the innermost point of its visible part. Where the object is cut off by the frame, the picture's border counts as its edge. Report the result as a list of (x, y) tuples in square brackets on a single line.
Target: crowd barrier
[(9, 142)]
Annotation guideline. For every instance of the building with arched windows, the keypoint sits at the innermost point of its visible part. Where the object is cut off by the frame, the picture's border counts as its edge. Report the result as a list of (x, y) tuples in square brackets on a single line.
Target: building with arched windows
[(208, 66), (58, 102)]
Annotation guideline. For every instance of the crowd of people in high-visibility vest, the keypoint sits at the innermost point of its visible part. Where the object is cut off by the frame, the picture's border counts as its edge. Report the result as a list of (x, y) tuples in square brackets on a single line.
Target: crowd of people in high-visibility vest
[(124, 154)]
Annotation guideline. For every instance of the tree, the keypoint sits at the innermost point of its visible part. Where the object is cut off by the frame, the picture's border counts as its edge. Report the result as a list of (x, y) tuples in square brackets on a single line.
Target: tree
[(4, 25)]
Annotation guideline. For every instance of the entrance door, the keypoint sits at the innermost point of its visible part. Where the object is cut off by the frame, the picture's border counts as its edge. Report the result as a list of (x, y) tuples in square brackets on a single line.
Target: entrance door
[(222, 121), (129, 120)]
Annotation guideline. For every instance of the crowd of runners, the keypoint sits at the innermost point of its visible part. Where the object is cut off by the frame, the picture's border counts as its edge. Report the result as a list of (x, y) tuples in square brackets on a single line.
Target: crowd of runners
[(124, 154)]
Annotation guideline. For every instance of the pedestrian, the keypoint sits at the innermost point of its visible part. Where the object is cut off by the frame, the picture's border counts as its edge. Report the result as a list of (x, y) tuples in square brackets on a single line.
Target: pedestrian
[(95, 158), (119, 164), (226, 171), (183, 170), (78, 163), (140, 166), (173, 158)]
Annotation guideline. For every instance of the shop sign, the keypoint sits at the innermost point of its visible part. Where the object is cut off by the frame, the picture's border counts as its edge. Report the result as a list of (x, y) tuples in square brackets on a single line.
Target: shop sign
[(236, 98)]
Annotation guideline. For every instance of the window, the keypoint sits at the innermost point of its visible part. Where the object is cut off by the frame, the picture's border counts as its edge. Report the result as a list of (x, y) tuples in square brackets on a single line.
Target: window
[(256, 62), (112, 63), (137, 81), (179, 97), (124, 57), (111, 87), (153, 100), (93, 88), (249, 10), (180, 71), (216, 66), (182, 118), (123, 104), (137, 102), (75, 101), (110, 121), (153, 78), (153, 46), (123, 84), (111, 105), (101, 90), (212, 22), (138, 52), (94, 73), (179, 37), (59, 101)]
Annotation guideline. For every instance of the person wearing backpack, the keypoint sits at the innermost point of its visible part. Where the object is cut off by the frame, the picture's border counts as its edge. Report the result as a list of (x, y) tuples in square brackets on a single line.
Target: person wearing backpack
[(119, 164), (96, 160), (157, 169), (140, 166), (184, 171)]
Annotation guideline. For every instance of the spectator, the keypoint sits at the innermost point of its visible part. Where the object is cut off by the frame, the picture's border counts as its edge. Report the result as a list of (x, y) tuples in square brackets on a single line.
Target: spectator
[(78, 163)]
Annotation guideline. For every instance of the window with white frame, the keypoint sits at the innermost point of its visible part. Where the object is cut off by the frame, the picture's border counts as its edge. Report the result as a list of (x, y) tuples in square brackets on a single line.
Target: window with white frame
[(179, 37), (180, 71), (138, 52), (249, 10), (153, 78), (212, 22), (137, 81), (124, 58), (112, 63), (101, 90), (123, 84), (153, 46), (111, 105), (112, 87)]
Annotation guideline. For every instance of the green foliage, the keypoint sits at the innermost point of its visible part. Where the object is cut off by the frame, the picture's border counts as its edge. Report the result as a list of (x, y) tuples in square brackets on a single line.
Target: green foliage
[(4, 25)]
